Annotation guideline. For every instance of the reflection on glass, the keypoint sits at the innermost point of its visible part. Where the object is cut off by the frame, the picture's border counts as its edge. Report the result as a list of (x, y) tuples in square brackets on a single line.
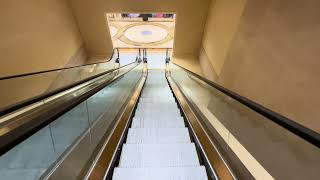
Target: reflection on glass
[(15, 90), (266, 149), (78, 131)]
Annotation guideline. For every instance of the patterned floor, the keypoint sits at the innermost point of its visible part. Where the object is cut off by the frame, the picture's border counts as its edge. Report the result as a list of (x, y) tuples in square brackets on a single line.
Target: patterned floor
[(142, 34)]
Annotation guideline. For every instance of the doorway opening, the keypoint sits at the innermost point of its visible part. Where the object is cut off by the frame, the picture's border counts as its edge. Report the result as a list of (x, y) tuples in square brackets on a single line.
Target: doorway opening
[(141, 30)]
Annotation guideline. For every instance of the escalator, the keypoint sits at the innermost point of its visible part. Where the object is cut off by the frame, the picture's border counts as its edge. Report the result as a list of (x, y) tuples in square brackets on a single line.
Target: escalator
[(107, 121), (65, 123), (158, 144)]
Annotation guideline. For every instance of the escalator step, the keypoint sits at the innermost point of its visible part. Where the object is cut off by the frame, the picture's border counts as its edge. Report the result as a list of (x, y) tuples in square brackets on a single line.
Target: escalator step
[(157, 105), (158, 109), (158, 155), (158, 145), (155, 112), (172, 173), (157, 122), (158, 135)]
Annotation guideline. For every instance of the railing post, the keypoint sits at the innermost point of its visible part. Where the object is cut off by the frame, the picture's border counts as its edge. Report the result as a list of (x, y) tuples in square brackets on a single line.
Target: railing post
[(138, 59), (118, 57), (145, 60), (167, 56)]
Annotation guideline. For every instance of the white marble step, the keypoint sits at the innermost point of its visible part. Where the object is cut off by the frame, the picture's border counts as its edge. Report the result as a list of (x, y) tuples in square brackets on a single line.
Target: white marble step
[(167, 173), (158, 135), (158, 155), (157, 122)]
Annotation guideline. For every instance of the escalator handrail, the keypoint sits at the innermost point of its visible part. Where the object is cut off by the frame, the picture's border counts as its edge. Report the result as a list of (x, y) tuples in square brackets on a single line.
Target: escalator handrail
[(106, 161), (15, 136), (292, 126), (21, 104), (58, 69)]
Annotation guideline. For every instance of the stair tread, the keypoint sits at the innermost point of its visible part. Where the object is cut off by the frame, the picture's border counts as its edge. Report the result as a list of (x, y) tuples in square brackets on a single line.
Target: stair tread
[(167, 173), (158, 113), (158, 135), (157, 109), (158, 155), (157, 122), (157, 105)]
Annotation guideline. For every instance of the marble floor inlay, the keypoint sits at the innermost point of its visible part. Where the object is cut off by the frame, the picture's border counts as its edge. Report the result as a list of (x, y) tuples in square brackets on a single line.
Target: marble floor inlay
[(142, 34)]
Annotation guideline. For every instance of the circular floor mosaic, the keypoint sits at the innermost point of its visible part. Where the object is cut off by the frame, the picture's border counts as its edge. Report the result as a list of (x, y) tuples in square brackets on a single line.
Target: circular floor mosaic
[(146, 33), (140, 34)]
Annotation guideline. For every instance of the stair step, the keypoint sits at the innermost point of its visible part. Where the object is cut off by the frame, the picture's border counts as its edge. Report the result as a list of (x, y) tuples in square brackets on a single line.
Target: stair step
[(157, 108), (165, 115), (171, 173), (157, 113), (152, 96), (157, 101), (157, 122), (168, 92), (157, 105), (152, 90), (158, 135), (158, 155)]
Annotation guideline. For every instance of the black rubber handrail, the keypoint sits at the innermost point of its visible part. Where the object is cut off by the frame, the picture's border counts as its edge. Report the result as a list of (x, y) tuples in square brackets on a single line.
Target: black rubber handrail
[(292, 126), (32, 100), (59, 69)]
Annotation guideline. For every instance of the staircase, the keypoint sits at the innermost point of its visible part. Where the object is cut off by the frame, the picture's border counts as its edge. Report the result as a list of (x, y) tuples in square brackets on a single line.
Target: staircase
[(158, 145)]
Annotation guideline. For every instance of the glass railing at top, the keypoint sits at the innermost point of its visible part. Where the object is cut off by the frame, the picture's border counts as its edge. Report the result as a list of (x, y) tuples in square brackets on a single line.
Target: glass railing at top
[(65, 148), (255, 146), (18, 90)]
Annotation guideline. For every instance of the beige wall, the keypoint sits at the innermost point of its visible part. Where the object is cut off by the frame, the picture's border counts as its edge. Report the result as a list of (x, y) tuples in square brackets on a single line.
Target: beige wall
[(189, 62), (191, 17), (91, 18), (206, 66), (272, 58), (38, 35), (222, 22)]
